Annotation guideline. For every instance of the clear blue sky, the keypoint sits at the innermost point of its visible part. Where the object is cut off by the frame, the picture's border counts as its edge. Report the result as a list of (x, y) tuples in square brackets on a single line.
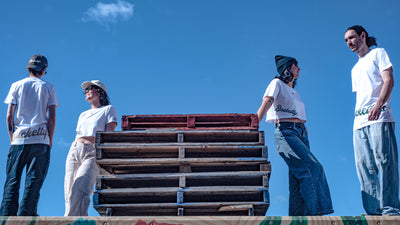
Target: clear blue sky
[(187, 56)]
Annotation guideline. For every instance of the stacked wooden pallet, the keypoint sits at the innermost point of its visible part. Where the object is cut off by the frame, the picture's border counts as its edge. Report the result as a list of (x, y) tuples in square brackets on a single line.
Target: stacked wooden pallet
[(228, 121), (171, 171)]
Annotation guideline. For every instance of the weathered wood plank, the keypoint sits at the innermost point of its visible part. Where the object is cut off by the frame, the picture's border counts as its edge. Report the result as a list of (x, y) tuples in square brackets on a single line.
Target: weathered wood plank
[(183, 179), (208, 189), (191, 121), (211, 175), (164, 161), (157, 136), (123, 145), (185, 205), (175, 168), (200, 151), (202, 220)]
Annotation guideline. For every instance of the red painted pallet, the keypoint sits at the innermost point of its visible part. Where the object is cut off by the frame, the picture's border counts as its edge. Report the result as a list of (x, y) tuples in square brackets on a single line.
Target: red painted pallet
[(227, 121)]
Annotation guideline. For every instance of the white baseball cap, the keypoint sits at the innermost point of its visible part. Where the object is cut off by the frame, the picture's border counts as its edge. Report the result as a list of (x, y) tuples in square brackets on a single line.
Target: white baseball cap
[(97, 83)]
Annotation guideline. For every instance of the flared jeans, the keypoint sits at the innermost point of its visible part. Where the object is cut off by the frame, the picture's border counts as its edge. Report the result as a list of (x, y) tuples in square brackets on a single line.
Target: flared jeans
[(308, 186), (376, 158)]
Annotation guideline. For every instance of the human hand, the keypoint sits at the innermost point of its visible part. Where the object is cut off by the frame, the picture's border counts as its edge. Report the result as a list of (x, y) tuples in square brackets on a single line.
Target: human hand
[(374, 113)]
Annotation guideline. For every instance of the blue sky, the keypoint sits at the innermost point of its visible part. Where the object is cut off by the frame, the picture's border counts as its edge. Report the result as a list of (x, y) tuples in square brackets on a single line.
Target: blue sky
[(209, 56)]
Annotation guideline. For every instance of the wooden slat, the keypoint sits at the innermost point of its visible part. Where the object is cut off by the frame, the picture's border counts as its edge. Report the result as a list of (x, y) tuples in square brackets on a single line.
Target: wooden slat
[(175, 161), (171, 209), (186, 205), (210, 175), (160, 136), (191, 121), (183, 179), (207, 189), (169, 144), (188, 151)]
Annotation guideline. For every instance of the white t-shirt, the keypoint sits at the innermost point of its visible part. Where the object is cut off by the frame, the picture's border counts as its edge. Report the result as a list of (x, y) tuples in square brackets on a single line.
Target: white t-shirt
[(367, 83), (94, 120), (32, 97), (287, 102)]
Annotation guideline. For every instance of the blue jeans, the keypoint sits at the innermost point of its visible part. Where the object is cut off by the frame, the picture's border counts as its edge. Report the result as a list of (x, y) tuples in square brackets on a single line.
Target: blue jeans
[(375, 151), (309, 191), (36, 158)]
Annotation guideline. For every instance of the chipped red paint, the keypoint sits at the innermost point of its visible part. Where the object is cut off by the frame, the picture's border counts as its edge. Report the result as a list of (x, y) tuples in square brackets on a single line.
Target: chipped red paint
[(227, 121), (140, 222)]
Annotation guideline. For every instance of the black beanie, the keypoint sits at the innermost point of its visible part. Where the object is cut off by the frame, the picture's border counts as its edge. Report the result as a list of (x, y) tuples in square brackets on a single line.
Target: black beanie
[(283, 62)]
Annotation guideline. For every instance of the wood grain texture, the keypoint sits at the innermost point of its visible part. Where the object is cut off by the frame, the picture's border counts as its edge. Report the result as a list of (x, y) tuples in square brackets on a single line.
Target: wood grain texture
[(203, 220)]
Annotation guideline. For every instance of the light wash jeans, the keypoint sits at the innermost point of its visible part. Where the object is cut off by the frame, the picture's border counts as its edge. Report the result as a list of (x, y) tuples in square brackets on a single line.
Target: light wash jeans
[(36, 159), (309, 191), (375, 151), (81, 172)]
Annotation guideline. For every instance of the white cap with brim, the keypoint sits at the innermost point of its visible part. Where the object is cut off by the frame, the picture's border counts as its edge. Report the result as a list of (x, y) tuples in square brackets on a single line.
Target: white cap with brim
[(97, 83)]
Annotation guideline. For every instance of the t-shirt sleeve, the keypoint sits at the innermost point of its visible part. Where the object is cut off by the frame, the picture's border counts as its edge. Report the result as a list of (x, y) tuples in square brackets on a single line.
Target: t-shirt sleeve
[(383, 60), (272, 89), (53, 97), (11, 98), (111, 115)]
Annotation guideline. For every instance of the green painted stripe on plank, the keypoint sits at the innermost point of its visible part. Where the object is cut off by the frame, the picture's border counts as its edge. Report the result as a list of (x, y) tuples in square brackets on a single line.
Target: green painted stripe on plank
[(33, 221), (3, 220), (354, 220), (272, 220), (299, 220)]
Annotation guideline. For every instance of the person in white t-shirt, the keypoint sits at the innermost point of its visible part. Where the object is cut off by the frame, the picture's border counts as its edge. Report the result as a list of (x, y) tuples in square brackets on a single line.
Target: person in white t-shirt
[(31, 120), (375, 146), (309, 190), (81, 169)]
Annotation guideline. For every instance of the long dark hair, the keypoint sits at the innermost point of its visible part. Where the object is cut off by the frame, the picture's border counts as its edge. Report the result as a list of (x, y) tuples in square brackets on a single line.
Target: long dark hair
[(286, 76), (104, 99), (370, 40)]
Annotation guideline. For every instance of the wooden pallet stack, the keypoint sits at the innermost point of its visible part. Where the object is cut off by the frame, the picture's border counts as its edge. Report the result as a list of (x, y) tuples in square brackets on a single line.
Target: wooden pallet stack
[(168, 165)]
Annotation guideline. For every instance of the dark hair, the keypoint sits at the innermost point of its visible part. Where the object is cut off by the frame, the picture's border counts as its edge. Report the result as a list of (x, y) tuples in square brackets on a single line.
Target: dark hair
[(35, 72), (370, 41), (286, 76), (104, 99)]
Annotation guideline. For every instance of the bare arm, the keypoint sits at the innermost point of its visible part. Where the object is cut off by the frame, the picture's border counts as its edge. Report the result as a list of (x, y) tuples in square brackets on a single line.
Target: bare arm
[(388, 83), (51, 124), (265, 105), (10, 120), (111, 126)]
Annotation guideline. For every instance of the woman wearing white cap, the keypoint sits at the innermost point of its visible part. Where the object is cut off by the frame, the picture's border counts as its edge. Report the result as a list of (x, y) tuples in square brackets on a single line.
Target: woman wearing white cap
[(81, 169)]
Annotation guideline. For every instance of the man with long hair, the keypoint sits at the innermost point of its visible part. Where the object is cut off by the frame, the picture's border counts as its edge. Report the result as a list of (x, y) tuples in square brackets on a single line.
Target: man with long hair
[(375, 147)]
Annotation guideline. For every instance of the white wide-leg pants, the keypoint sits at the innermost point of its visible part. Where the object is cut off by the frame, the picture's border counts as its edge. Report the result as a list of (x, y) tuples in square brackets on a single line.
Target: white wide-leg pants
[(81, 172)]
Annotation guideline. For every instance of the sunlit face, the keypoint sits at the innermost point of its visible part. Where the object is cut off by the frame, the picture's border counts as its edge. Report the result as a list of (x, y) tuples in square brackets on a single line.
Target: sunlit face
[(354, 41), (92, 94), (295, 70)]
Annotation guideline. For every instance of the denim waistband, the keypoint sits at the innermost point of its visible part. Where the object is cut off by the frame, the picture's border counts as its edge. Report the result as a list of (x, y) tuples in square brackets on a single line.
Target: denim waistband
[(289, 124)]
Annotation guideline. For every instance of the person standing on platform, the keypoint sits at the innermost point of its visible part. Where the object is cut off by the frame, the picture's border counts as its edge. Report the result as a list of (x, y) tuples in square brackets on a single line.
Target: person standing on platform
[(374, 140), (81, 169), (308, 186), (31, 121)]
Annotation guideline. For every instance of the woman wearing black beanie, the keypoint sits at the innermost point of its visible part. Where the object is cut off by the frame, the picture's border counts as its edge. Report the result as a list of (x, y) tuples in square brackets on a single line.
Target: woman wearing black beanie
[(309, 191)]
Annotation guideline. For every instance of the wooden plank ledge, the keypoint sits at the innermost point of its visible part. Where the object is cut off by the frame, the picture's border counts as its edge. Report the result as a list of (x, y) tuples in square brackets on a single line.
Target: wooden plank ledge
[(203, 220)]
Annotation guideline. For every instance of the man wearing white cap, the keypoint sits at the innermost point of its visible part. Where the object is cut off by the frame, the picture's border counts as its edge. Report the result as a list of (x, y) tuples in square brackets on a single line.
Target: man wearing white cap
[(81, 169), (31, 120)]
